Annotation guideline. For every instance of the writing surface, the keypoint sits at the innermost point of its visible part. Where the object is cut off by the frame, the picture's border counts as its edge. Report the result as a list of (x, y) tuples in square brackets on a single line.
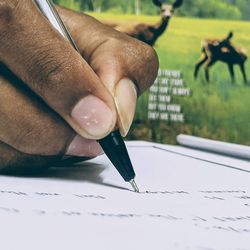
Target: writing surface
[(184, 203)]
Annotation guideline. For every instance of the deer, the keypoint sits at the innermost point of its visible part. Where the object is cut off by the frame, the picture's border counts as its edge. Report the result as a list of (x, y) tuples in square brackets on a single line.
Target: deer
[(149, 33), (214, 50)]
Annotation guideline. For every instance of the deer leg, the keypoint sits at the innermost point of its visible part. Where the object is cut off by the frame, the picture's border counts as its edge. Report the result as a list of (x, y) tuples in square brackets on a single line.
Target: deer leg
[(199, 64), (243, 70), (210, 63), (231, 71)]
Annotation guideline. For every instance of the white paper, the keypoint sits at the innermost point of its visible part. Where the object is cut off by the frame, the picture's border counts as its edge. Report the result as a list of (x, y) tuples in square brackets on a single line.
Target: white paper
[(185, 203)]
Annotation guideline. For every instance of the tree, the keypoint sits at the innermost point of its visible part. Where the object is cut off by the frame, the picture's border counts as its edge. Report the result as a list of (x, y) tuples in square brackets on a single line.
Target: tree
[(244, 6), (210, 9), (221, 9), (137, 7)]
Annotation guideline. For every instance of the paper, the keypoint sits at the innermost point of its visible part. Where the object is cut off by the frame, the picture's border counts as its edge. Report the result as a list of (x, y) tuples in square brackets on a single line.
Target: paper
[(185, 203)]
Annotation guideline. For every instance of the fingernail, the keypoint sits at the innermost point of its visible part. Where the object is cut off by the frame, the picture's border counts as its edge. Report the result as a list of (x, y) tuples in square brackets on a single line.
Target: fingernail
[(125, 99), (83, 147), (93, 116)]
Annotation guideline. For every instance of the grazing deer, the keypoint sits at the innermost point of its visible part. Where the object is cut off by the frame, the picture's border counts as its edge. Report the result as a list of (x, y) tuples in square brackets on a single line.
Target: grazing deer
[(214, 50), (146, 32)]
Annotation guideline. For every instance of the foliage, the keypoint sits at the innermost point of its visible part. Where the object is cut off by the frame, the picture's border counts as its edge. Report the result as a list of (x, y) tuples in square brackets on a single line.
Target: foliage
[(210, 9), (219, 110), (221, 9), (71, 4)]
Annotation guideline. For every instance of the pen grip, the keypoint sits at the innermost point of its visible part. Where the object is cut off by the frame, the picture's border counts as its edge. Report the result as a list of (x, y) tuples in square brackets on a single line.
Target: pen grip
[(115, 148)]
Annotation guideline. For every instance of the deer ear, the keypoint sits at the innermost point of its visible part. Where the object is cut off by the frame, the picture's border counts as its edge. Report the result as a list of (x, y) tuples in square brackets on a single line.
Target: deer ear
[(177, 4), (230, 35), (157, 3)]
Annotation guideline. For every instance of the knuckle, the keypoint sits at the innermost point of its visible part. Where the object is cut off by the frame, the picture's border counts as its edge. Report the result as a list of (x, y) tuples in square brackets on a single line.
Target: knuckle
[(53, 72), (142, 53), (153, 62), (139, 60), (6, 16), (7, 8), (151, 56), (146, 64), (48, 70)]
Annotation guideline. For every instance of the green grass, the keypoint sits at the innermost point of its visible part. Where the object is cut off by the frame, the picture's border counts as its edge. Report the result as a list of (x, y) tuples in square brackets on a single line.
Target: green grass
[(219, 110)]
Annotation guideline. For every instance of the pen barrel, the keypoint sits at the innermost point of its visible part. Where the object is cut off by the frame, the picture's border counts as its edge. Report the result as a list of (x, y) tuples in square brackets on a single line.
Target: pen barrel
[(115, 148)]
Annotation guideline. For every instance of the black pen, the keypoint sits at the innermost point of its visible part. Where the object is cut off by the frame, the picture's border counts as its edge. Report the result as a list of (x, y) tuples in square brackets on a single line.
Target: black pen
[(113, 145)]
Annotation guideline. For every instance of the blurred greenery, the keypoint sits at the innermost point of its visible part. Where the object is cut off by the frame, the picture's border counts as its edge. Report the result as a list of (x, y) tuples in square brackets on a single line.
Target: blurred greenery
[(221, 9), (219, 110)]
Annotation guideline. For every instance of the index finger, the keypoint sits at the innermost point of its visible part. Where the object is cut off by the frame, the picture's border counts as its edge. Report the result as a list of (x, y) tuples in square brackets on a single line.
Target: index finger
[(48, 64)]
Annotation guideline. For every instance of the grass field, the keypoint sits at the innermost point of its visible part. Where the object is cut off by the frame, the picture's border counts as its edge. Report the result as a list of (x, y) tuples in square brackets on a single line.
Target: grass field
[(219, 110)]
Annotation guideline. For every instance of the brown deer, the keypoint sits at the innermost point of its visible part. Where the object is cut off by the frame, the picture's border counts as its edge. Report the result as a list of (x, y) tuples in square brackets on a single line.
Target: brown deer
[(146, 32), (214, 50)]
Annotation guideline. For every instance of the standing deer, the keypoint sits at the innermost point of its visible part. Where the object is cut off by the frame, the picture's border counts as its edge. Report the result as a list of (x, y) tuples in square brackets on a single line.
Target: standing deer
[(214, 50), (149, 33)]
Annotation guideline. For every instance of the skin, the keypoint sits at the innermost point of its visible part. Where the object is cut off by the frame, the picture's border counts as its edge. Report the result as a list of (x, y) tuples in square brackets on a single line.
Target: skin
[(43, 79)]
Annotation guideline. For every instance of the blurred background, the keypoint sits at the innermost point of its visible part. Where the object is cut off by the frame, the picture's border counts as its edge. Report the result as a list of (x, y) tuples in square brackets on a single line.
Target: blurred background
[(221, 9), (217, 110)]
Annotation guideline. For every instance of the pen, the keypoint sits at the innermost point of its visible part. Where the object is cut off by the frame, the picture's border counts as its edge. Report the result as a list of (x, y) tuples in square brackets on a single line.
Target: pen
[(113, 145), (218, 147)]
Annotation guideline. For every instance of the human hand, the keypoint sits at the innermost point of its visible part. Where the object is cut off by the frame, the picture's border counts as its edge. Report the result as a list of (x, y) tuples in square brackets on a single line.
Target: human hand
[(89, 95)]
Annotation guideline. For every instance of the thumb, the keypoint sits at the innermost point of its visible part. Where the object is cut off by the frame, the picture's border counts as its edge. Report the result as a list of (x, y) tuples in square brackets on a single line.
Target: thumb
[(124, 93)]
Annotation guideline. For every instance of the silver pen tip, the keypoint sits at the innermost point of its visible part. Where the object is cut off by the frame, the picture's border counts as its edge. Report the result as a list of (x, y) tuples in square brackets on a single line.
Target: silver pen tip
[(134, 186)]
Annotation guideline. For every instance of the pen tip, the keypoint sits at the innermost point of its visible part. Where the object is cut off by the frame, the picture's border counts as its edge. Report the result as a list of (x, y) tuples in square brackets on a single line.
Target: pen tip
[(134, 186)]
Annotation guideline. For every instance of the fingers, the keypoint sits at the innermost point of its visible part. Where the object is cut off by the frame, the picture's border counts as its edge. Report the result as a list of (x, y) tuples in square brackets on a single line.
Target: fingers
[(126, 66), (130, 56), (28, 125), (129, 70), (13, 162), (34, 51)]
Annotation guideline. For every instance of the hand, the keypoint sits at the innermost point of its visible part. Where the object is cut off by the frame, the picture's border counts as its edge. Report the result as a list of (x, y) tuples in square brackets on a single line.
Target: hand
[(65, 93)]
